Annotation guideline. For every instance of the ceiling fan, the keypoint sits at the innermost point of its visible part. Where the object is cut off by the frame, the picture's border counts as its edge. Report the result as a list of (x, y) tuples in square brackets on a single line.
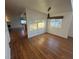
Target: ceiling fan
[(48, 12)]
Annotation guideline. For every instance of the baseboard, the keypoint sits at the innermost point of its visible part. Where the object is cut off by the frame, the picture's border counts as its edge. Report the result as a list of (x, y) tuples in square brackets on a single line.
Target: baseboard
[(50, 34), (56, 35), (35, 36)]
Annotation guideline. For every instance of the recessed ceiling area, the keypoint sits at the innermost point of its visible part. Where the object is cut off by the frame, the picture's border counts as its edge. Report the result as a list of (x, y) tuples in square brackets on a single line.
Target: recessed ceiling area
[(15, 7)]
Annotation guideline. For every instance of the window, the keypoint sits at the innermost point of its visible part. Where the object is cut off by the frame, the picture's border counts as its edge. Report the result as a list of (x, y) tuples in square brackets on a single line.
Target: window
[(41, 25), (37, 25), (23, 21), (57, 23), (33, 27)]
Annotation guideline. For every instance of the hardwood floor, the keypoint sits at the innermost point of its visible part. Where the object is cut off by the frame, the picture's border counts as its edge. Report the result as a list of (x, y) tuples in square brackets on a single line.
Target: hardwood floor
[(44, 46)]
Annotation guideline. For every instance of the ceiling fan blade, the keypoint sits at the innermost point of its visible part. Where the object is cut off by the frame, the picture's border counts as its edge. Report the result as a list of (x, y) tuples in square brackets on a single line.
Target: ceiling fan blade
[(48, 16), (49, 8)]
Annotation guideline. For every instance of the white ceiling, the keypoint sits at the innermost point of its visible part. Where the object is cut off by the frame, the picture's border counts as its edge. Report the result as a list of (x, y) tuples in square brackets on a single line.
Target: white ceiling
[(39, 5)]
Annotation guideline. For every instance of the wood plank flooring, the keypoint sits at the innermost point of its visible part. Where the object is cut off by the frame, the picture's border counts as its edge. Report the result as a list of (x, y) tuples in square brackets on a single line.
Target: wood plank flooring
[(44, 46)]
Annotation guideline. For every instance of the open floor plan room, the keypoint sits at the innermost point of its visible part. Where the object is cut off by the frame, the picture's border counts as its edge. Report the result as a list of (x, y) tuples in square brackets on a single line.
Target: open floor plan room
[(39, 29)]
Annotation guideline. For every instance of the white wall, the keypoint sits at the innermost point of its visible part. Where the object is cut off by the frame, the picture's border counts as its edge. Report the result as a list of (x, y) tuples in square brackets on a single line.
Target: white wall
[(7, 40), (71, 29), (71, 25), (33, 16), (63, 32)]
